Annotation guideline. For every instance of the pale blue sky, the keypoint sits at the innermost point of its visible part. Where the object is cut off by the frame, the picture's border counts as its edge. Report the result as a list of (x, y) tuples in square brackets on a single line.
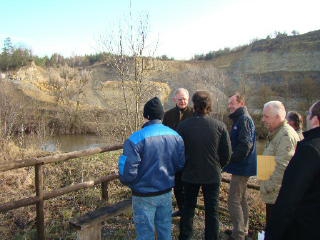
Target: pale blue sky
[(184, 27)]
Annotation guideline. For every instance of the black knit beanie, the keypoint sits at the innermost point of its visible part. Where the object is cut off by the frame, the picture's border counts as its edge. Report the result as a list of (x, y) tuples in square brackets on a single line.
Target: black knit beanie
[(153, 109)]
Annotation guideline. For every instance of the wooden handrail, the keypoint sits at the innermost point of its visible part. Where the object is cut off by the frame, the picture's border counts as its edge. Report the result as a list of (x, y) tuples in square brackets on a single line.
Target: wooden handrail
[(56, 158), (18, 204)]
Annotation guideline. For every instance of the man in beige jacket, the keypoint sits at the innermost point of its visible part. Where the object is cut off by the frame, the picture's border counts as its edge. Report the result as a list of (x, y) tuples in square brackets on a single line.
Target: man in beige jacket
[(281, 143)]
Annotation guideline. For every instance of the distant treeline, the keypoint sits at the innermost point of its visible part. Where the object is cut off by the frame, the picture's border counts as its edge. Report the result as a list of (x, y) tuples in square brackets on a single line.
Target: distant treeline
[(13, 58), (215, 54)]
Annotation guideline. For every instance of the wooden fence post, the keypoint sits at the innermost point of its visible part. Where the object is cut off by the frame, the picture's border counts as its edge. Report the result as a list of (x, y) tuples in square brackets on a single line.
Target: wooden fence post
[(40, 203), (104, 191)]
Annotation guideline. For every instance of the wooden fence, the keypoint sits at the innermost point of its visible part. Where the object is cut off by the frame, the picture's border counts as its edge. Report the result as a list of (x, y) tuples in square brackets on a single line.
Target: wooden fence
[(41, 195)]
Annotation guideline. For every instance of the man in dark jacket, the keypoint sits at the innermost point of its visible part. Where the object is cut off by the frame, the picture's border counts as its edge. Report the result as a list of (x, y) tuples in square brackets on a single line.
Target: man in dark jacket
[(150, 159), (171, 119), (295, 215), (243, 164), (207, 151)]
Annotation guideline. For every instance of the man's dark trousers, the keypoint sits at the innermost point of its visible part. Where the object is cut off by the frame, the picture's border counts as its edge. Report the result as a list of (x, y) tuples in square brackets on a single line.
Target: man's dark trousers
[(178, 190), (211, 200)]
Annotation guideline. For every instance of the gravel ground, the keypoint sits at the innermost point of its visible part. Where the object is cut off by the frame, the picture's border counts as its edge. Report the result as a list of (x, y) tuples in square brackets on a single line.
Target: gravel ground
[(122, 227)]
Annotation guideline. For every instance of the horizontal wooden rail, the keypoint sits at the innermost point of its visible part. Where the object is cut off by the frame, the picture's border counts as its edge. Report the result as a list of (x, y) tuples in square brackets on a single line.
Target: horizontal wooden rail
[(79, 186), (18, 204), (75, 187), (56, 158), (55, 193)]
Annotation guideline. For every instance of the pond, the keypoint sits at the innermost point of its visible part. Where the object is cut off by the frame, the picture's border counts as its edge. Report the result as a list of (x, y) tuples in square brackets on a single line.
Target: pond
[(69, 143)]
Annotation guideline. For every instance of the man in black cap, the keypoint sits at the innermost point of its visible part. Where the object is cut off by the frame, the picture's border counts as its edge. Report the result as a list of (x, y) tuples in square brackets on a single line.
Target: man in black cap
[(150, 159)]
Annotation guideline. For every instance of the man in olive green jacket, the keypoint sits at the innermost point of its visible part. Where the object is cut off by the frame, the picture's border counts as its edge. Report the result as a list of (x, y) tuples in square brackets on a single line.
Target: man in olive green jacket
[(281, 143)]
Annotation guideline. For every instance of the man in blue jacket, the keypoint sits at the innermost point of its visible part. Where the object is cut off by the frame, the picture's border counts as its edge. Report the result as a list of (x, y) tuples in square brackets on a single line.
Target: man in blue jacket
[(150, 159), (243, 164)]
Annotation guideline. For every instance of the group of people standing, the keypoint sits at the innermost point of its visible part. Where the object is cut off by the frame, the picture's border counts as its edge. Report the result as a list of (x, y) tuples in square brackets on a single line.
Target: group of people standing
[(189, 149)]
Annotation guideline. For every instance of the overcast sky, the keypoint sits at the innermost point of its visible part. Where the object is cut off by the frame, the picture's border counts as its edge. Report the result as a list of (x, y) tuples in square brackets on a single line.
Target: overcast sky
[(183, 28)]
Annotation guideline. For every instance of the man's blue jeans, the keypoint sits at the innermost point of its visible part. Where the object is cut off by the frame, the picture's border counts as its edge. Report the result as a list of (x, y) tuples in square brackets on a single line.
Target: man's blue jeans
[(152, 215)]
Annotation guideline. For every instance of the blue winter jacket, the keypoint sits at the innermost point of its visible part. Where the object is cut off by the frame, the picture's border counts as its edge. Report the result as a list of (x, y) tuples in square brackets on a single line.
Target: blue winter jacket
[(150, 159), (243, 160)]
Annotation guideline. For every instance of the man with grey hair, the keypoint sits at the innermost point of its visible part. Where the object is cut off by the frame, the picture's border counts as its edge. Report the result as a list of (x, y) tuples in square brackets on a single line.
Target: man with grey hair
[(172, 118), (281, 143), (296, 212)]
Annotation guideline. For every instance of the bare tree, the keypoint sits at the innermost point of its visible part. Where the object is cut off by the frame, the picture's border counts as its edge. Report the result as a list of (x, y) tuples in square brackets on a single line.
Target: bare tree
[(132, 58), (67, 86)]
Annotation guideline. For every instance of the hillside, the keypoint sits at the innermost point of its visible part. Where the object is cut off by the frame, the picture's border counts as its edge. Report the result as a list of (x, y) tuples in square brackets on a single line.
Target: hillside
[(42, 85), (281, 63), (298, 54), (103, 91)]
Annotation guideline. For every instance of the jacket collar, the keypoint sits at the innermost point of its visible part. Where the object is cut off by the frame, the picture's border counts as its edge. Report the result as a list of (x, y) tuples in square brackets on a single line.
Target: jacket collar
[(239, 112), (272, 134), (200, 114), (154, 121), (182, 110), (312, 133)]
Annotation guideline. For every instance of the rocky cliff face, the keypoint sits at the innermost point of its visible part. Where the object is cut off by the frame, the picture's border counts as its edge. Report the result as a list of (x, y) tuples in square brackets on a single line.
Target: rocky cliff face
[(262, 62), (299, 53)]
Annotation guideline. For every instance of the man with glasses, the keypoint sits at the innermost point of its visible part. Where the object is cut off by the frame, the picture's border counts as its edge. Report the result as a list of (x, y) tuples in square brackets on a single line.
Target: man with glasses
[(296, 212), (171, 119)]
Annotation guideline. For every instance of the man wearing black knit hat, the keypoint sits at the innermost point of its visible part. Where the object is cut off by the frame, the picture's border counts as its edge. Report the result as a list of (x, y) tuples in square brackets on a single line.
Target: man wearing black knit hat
[(150, 159)]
